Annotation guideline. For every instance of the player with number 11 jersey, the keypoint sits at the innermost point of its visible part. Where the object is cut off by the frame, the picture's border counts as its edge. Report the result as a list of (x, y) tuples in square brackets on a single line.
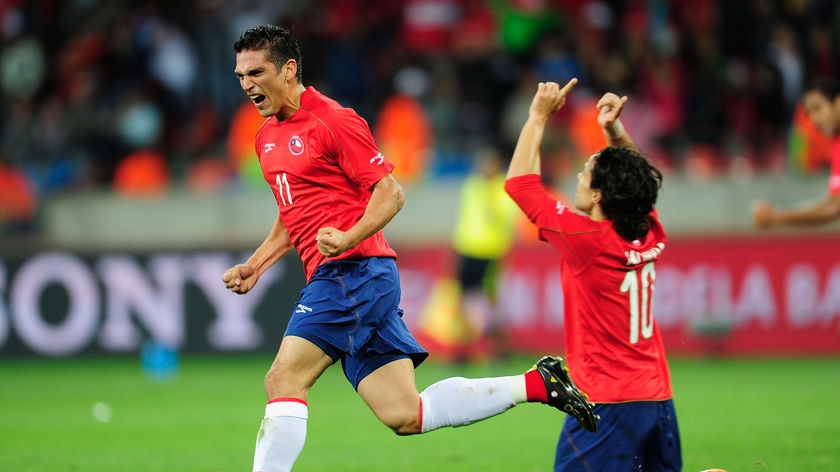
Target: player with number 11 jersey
[(308, 160)]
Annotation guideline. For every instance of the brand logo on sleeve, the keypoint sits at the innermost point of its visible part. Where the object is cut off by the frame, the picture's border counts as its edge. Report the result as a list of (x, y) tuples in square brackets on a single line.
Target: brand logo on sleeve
[(267, 147), (378, 159), (296, 145)]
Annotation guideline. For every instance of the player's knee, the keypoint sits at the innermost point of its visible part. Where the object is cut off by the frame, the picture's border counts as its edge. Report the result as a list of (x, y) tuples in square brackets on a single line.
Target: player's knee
[(277, 384), (406, 428), (271, 381), (404, 423)]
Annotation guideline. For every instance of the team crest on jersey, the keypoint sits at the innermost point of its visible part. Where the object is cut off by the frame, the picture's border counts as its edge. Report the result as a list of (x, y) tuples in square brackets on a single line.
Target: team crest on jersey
[(296, 145)]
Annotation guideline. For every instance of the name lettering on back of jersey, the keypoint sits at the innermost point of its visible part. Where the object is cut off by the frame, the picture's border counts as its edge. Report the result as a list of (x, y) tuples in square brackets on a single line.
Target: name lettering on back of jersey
[(267, 147), (296, 145), (636, 257), (378, 159)]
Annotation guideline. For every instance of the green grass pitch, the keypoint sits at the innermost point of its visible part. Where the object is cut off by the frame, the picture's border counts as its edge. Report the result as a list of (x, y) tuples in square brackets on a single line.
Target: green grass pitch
[(736, 414)]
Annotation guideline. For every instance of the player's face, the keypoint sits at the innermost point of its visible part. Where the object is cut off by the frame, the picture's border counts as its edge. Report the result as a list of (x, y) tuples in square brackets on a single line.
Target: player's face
[(823, 112), (266, 86), (585, 197)]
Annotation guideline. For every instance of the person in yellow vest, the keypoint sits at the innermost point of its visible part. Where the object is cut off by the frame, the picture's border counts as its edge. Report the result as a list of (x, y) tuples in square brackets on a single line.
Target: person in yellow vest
[(484, 234)]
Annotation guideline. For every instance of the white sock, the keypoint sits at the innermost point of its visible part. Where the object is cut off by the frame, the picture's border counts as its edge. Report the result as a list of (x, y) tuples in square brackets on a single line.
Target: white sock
[(458, 401), (281, 436)]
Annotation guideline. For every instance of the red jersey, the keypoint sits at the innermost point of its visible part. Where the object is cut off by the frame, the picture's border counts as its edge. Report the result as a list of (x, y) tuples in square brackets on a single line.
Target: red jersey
[(834, 178), (613, 346), (321, 164)]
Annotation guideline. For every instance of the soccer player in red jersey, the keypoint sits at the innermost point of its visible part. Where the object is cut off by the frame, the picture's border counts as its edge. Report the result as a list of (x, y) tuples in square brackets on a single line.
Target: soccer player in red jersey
[(608, 253), (335, 193), (821, 102)]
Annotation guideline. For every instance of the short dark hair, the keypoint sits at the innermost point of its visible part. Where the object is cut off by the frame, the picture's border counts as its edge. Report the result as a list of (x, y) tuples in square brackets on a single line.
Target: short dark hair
[(629, 185), (826, 86), (279, 44)]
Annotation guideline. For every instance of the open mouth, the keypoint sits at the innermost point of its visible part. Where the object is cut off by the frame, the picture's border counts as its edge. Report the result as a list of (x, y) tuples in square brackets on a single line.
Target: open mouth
[(257, 99)]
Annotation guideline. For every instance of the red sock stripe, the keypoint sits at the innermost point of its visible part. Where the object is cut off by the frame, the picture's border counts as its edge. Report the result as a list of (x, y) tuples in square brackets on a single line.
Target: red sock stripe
[(286, 399), (420, 420), (535, 387)]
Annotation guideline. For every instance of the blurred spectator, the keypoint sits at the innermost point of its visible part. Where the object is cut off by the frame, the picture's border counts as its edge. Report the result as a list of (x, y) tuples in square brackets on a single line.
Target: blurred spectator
[(555, 61), (785, 56), (821, 101), (442, 107), (428, 26), (142, 173), (808, 147), (662, 82), (244, 125), (18, 202), (822, 54), (208, 174), (483, 236), (139, 122), (172, 61), (22, 68), (522, 22), (402, 128)]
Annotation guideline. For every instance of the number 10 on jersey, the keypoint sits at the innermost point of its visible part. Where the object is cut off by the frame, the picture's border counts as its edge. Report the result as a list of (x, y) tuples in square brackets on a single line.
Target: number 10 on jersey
[(638, 285)]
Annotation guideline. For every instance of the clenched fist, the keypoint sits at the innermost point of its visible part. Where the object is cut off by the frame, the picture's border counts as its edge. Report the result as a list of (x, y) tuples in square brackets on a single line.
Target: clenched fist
[(332, 241), (240, 278)]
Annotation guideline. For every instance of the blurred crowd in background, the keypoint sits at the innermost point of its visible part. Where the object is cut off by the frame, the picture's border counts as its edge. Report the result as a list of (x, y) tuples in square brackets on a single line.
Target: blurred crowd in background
[(139, 96)]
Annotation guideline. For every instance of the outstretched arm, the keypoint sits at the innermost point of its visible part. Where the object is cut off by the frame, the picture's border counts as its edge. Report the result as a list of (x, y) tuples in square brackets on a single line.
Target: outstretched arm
[(548, 99), (820, 212), (609, 111)]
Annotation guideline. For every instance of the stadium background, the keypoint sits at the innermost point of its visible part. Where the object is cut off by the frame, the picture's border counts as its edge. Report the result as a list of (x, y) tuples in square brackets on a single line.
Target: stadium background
[(128, 181)]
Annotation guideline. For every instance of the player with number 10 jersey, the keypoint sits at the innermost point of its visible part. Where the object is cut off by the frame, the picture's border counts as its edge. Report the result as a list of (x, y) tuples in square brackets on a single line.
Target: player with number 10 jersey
[(609, 245), (613, 346)]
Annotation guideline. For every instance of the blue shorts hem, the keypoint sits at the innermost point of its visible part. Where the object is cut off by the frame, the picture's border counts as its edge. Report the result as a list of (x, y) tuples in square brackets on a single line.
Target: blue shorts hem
[(374, 363), (325, 346)]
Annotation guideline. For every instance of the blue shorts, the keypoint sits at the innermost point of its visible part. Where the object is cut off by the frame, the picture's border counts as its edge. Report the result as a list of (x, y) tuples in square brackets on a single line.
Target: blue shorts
[(350, 309), (631, 436)]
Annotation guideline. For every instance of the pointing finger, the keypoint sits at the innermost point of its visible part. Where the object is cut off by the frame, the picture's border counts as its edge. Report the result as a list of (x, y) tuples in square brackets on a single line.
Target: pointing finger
[(569, 86)]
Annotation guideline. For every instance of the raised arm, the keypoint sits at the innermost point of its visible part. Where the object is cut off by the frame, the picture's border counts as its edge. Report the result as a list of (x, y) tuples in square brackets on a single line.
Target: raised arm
[(548, 99), (609, 107)]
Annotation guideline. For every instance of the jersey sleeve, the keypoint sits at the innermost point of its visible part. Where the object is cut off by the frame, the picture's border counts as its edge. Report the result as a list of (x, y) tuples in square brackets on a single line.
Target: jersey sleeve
[(355, 150), (577, 237), (527, 191), (834, 176)]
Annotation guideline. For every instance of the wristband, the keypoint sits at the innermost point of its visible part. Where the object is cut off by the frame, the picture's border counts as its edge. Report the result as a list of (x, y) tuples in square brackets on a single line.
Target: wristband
[(616, 131)]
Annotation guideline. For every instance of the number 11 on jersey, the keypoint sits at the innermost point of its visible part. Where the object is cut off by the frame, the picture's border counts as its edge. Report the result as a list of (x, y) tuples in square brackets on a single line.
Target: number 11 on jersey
[(638, 284), (283, 184)]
